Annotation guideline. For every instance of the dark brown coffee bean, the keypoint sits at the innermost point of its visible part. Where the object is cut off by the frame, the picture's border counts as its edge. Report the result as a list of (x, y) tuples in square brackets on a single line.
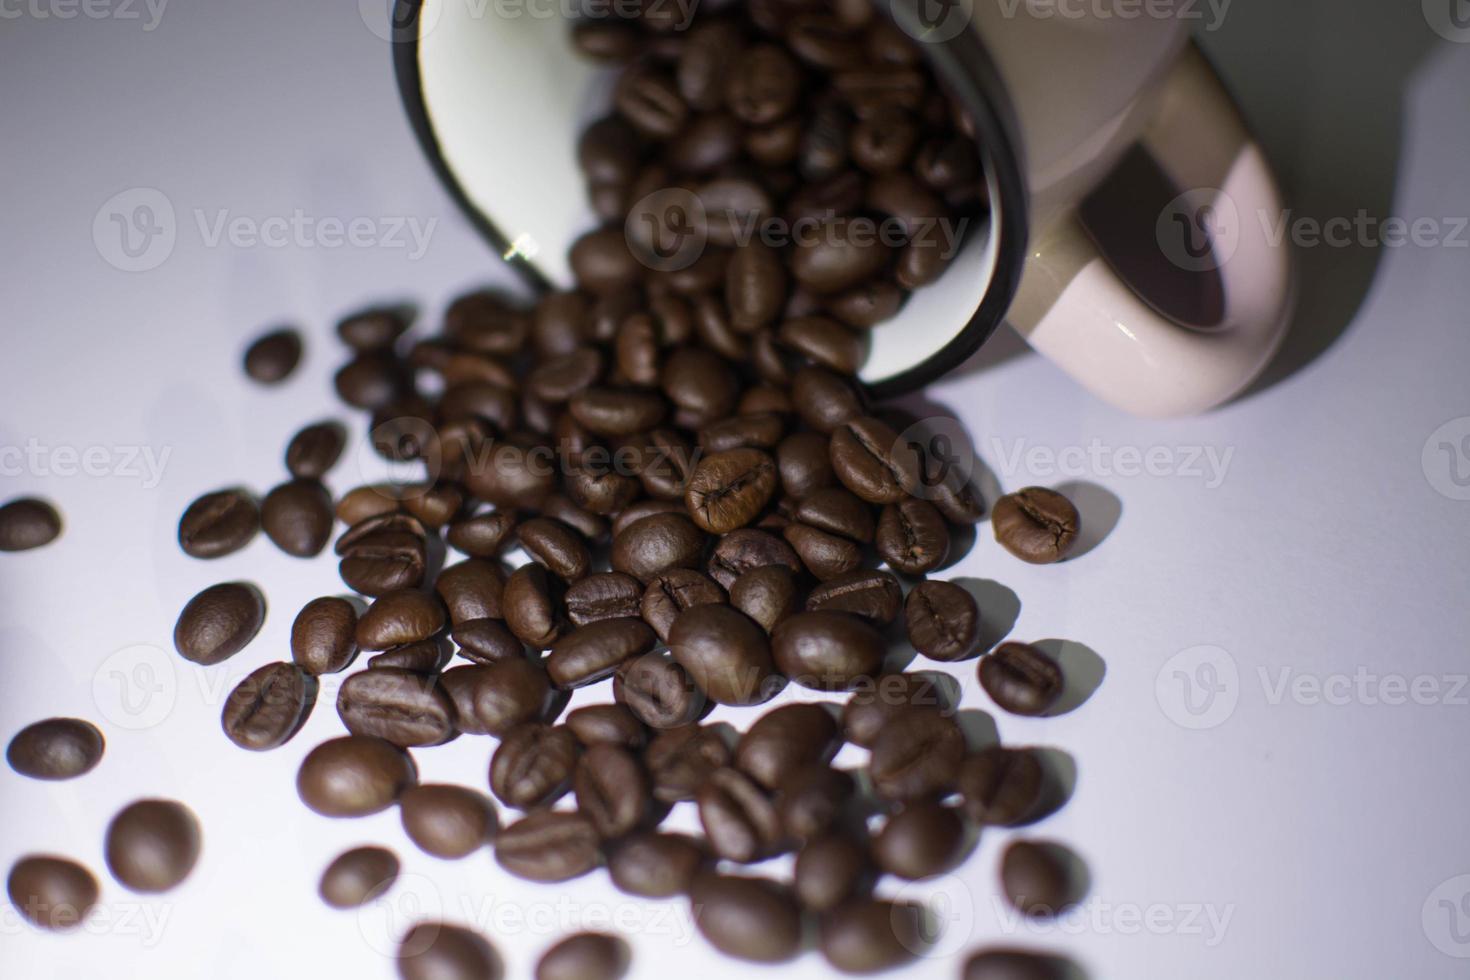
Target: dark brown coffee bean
[(426, 657), (215, 525), (650, 100), (383, 554), (777, 144), (486, 322), (866, 305), (873, 935), (447, 821), (315, 449), (533, 765), (272, 357), (824, 400), (747, 918), (608, 152), (709, 142), (871, 710), (297, 517), (1001, 787), (832, 870), (921, 840), (767, 594), (733, 207), (400, 706), (435, 506), (710, 52), (531, 606), (836, 511), (604, 595), (51, 892), (763, 85), (462, 684), (739, 819), (804, 463), (57, 748), (472, 589), (371, 380), (557, 546), (503, 696), (612, 789), (396, 618), (874, 595), (726, 653), (658, 691), (825, 342), (549, 846), (637, 351), (656, 544), (1038, 878), (755, 284), (916, 755), (648, 508), (884, 142), (872, 462), (608, 42), (825, 555), (942, 620), (585, 956), (701, 384), (323, 635), (751, 431), (1021, 679), (517, 472), (617, 411), (912, 537), (953, 493), (827, 651), (747, 549), (219, 622), (152, 845), (823, 150), (358, 876), (591, 653), (812, 800), (838, 255), (1036, 525), (439, 951), (557, 379), (487, 641), (483, 535), (607, 724), (679, 761), (674, 591), (460, 402), (375, 328), (268, 707), (654, 865), (361, 503)]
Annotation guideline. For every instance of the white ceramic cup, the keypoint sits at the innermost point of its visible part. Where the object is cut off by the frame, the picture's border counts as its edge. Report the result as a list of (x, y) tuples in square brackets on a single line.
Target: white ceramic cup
[(1058, 93)]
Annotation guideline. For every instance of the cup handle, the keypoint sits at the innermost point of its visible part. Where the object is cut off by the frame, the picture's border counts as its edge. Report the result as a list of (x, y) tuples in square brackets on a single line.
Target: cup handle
[(1075, 310)]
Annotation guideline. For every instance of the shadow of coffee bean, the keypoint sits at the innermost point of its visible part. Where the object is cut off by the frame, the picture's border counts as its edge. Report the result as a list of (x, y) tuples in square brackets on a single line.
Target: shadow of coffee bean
[(1082, 672), (1058, 782), (1098, 509), (945, 689), (999, 606), (961, 542), (979, 729)]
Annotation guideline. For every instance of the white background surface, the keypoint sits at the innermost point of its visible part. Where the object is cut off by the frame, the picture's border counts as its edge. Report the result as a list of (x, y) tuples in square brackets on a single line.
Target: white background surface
[(1324, 831)]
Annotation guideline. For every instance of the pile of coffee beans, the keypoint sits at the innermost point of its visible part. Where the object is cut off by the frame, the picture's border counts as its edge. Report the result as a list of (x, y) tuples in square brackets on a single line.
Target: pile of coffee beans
[(705, 507)]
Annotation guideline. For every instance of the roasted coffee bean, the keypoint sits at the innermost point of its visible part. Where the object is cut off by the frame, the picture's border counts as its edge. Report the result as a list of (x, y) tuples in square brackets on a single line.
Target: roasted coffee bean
[(612, 789), (674, 591), (740, 821), (658, 691), (57, 748), (361, 503), (872, 462), (533, 765), (813, 799), (219, 622), (650, 100), (315, 450), (648, 508), (557, 379), (637, 351), (1001, 787), (607, 724), (1021, 679), (922, 261), (371, 380), (884, 142), (609, 42), (591, 526), (591, 653), (447, 821), (268, 707), (709, 142), (549, 846), (915, 207), (152, 845), (1036, 525), (825, 401), (424, 657), (585, 956), (763, 85), (487, 641), (460, 402), (751, 919), (804, 463), (472, 589), (504, 696), (297, 517), (1038, 878), (873, 935), (700, 384), (215, 525), (272, 357), (725, 652), (664, 469), (323, 636), (953, 493), (755, 287), (386, 559), (711, 50), (679, 761), (399, 617), (487, 322), (871, 710), (51, 892), (827, 651), (826, 556), (825, 342), (785, 740), (867, 304), (358, 876), (602, 262), (912, 537), (1017, 964), (375, 328), (608, 152), (436, 505), (923, 839), (403, 707), (777, 144), (654, 865), (916, 755), (747, 549), (758, 431), (942, 620), (767, 594), (603, 595), (483, 535), (831, 871), (616, 411), (462, 684), (521, 475), (598, 490), (874, 595), (531, 606), (557, 546), (836, 511), (838, 255), (656, 544), (439, 951), (824, 140)]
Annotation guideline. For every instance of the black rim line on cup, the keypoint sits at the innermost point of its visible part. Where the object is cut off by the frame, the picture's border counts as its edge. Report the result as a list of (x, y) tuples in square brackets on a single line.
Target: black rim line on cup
[(965, 67)]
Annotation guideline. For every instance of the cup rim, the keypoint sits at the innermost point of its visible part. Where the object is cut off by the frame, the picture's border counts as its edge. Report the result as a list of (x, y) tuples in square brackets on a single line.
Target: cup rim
[(962, 62)]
